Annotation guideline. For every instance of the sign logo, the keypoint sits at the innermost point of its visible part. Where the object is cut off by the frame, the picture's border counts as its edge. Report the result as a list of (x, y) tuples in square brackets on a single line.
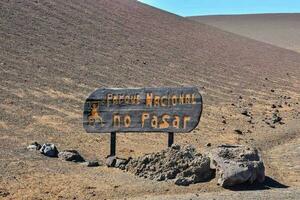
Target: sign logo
[(142, 110), (94, 116)]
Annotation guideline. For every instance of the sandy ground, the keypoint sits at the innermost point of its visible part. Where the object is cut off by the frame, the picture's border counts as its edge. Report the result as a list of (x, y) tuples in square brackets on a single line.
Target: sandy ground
[(55, 53), (278, 29)]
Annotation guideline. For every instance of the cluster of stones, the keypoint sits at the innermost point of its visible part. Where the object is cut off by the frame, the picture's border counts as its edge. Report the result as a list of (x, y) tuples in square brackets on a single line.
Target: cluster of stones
[(184, 165), (50, 150), (274, 119), (234, 164)]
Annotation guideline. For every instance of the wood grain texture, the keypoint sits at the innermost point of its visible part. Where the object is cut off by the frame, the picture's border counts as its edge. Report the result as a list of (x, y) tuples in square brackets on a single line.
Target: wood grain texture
[(142, 110)]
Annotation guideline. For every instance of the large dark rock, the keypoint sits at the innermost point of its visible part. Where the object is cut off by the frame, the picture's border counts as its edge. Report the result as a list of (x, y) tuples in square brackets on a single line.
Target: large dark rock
[(49, 150), (237, 164), (70, 155)]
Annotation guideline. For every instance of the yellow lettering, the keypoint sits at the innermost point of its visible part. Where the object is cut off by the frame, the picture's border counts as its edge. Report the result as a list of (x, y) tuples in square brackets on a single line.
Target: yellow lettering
[(156, 100), (181, 99), (185, 121), (176, 121), (132, 99), (193, 99), (115, 99), (162, 100), (187, 98), (127, 99), (138, 99), (116, 120), (164, 123), (154, 122), (121, 99), (108, 98), (144, 117), (174, 100), (149, 97), (127, 121)]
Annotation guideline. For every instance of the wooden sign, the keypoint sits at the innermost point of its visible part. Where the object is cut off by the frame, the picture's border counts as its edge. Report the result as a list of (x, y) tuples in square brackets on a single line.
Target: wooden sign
[(142, 110)]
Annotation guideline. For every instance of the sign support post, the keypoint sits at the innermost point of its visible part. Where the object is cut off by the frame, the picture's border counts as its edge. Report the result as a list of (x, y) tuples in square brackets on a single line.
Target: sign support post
[(170, 138), (168, 110), (112, 143)]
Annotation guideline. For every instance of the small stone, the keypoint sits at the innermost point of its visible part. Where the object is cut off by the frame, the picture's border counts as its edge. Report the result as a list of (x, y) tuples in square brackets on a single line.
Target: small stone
[(175, 146), (250, 120), (273, 106), (238, 131), (70, 155), (120, 162), (246, 112), (276, 118), (161, 177), (208, 145), (49, 150), (111, 161), (182, 182), (224, 121), (34, 146), (4, 193), (92, 163), (272, 90)]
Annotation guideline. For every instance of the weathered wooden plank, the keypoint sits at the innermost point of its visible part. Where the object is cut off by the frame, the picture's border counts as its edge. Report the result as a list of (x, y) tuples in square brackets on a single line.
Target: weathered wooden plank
[(142, 110)]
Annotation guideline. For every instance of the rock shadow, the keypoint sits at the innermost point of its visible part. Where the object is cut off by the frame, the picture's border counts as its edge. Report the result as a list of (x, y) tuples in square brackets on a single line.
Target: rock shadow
[(269, 183)]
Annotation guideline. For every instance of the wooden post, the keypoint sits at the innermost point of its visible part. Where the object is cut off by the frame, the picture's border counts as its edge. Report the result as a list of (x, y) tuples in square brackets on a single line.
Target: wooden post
[(112, 143), (170, 139)]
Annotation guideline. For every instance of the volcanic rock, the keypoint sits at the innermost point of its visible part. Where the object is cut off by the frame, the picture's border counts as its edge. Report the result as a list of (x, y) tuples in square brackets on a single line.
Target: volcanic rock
[(238, 131), (49, 149), (275, 118), (246, 113), (237, 164), (184, 165), (92, 163), (34, 146), (208, 144), (111, 161), (70, 155), (121, 163)]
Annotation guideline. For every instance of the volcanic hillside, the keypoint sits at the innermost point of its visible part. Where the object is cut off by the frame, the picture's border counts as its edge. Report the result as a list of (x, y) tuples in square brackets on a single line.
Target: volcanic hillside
[(278, 29), (55, 53)]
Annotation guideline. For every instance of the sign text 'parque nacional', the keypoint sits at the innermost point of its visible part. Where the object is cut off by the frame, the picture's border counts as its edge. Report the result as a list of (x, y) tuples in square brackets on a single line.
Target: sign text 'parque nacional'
[(142, 110)]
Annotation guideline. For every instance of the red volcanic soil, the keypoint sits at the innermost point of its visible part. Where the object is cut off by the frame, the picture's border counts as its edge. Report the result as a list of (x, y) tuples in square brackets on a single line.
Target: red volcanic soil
[(278, 29), (53, 54)]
